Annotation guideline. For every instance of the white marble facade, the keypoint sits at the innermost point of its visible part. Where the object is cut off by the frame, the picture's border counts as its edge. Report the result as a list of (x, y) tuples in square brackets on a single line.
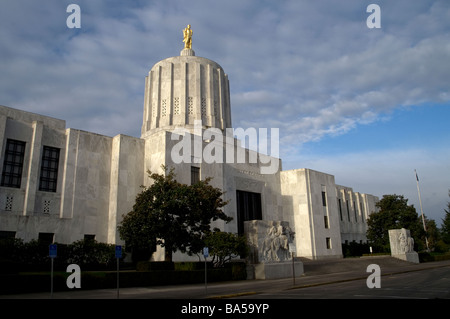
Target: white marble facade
[(98, 177)]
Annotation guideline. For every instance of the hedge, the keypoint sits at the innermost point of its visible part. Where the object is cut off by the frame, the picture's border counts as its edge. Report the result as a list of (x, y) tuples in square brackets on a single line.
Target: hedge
[(40, 282), (18, 255), (426, 257)]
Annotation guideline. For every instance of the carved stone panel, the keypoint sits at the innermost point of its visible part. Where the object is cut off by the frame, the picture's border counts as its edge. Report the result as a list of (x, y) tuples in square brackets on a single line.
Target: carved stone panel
[(401, 241), (269, 241), (402, 245)]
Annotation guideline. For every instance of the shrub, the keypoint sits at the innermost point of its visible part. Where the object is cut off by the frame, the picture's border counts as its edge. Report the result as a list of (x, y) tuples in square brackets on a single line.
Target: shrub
[(354, 249), (224, 247), (154, 265), (33, 255), (238, 270), (441, 247), (192, 265), (91, 254)]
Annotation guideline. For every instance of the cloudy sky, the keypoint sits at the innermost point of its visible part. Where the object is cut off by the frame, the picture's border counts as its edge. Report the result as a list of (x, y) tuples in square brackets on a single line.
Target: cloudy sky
[(367, 105)]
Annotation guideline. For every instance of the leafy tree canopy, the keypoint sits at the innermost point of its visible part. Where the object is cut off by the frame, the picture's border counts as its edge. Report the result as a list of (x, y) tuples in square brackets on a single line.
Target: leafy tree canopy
[(445, 229), (223, 247), (394, 213), (173, 215)]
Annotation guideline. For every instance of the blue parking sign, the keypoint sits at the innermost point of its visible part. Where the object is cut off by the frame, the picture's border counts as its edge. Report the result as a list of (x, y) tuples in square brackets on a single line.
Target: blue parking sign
[(52, 251), (118, 251)]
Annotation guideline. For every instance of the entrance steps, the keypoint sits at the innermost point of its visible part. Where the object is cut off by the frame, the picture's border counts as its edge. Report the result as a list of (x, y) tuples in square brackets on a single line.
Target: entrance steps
[(355, 264)]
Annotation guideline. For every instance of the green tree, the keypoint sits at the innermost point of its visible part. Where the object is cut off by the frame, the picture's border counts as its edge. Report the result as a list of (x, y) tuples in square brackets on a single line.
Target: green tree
[(223, 247), (394, 213), (89, 252), (173, 215), (432, 234), (445, 228)]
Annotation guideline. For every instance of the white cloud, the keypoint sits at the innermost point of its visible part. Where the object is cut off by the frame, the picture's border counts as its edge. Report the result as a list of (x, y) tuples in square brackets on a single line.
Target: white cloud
[(389, 172), (312, 69)]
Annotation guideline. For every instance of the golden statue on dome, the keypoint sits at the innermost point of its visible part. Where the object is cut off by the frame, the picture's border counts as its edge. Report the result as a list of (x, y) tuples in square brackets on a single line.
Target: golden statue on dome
[(187, 37)]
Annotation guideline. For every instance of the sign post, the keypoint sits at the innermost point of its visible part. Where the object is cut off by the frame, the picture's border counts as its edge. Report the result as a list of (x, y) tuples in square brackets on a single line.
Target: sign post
[(118, 256), (52, 252), (206, 254), (292, 250)]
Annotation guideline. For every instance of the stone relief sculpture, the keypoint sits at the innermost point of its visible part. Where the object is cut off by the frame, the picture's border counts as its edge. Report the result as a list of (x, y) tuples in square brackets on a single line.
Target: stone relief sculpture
[(402, 245), (406, 242), (276, 244), (271, 246), (269, 241)]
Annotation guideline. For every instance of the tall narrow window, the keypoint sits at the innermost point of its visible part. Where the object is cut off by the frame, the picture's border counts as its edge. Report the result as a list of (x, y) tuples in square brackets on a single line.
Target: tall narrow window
[(9, 203), (340, 207), (49, 169), (348, 211), (362, 210), (324, 198), (13, 163), (324, 207), (356, 211), (195, 175), (248, 208), (328, 242), (325, 221)]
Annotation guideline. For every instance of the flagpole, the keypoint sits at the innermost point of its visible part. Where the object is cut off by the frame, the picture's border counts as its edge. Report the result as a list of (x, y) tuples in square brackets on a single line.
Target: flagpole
[(421, 211)]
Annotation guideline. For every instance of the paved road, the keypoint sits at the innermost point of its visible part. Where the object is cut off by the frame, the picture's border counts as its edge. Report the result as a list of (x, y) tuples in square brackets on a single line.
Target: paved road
[(328, 279), (426, 284), (339, 280)]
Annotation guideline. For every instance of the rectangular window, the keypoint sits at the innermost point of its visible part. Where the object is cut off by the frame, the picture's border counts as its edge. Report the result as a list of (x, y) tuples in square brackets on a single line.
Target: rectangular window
[(248, 208), (324, 206), (9, 203), (195, 175), (361, 210), (348, 212), (328, 242), (324, 199), (46, 238), (89, 237), (13, 163), (47, 205), (356, 211), (340, 207), (7, 234), (49, 169)]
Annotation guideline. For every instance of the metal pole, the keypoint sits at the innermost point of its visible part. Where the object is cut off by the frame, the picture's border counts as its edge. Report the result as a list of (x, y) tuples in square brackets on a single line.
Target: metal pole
[(51, 281), (206, 272), (293, 268), (421, 211), (117, 278)]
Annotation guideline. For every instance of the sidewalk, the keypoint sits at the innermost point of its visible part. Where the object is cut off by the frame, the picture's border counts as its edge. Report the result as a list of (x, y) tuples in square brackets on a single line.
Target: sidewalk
[(316, 273)]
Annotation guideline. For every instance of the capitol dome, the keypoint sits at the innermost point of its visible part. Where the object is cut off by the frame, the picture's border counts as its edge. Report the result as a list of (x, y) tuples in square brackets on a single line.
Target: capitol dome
[(183, 89)]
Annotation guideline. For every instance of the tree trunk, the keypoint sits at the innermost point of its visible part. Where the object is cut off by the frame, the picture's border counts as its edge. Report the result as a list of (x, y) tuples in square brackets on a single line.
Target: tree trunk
[(168, 253)]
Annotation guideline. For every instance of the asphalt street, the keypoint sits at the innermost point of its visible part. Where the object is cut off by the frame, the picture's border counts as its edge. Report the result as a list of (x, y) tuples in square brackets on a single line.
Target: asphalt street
[(339, 279)]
